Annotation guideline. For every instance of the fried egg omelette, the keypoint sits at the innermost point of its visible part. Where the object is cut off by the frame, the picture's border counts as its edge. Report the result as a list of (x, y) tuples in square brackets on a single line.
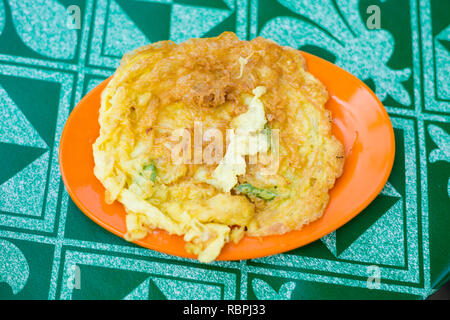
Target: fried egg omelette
[(253, 87)]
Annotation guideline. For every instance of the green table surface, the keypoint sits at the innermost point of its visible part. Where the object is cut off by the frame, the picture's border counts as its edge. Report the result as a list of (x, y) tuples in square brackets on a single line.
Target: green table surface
[(52, 52)]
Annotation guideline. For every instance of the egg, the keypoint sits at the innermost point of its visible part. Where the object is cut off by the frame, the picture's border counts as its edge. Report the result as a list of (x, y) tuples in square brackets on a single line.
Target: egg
[(273, 169)]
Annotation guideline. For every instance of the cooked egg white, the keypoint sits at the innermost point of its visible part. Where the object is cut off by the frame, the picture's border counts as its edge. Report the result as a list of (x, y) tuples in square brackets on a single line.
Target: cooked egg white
[(247, 140)]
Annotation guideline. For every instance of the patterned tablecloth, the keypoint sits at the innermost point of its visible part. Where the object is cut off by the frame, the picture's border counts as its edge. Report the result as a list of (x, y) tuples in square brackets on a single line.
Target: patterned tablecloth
[(52, 52)]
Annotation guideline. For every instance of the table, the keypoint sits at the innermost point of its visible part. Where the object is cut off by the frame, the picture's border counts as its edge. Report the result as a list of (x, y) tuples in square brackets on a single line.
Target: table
[(53, 52)]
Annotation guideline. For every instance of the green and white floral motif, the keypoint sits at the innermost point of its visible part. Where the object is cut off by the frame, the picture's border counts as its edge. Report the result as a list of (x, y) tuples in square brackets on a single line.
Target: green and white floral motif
[(174, 289), (362, 52), (14, 268), (103, 39), (41, 24), (2, 17), (122, 34), (183, 27), (172, 280), (442, 152), (443, 64), (264, 291), (442, 140)]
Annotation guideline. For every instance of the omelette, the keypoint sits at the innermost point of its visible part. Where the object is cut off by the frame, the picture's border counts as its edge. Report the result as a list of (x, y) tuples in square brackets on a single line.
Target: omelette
[(215, 139)]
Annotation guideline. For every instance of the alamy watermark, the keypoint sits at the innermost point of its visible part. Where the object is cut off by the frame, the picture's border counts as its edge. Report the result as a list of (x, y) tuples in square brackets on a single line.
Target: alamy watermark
[(207, 146), (74, 280), (74, 17), (374, 19), (374, 279)]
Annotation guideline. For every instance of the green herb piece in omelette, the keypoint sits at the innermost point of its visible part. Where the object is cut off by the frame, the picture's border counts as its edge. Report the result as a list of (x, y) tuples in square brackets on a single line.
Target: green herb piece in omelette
[(248, 189)]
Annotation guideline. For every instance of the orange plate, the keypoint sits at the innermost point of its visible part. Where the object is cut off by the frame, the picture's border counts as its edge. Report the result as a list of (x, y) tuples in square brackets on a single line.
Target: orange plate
[(360, 122)]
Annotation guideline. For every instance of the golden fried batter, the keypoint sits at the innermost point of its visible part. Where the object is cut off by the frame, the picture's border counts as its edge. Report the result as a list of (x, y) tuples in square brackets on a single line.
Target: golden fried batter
[(255, 86)]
